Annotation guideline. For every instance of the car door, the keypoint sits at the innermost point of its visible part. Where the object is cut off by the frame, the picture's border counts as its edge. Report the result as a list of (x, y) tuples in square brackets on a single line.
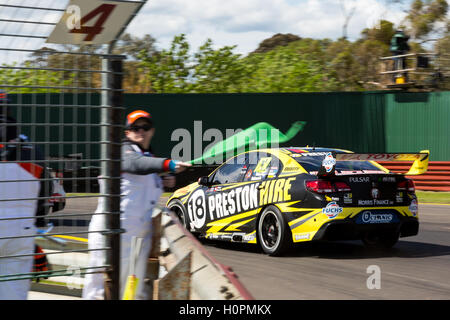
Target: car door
[(204, 204), (233, 200)]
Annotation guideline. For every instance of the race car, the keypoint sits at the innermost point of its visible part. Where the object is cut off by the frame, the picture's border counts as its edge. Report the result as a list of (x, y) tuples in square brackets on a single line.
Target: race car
[(277, 197)]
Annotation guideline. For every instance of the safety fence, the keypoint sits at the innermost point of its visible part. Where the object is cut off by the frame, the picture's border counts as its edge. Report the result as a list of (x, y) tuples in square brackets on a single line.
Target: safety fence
[(179, 266), (437, 178), (33, 202)]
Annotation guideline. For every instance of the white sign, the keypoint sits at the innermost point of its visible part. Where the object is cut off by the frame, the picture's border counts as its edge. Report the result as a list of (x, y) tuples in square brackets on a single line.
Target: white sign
[(92, 22)]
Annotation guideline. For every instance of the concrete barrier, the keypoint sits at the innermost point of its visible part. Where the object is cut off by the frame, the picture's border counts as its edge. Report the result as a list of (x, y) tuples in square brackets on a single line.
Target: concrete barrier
[(209, 279)]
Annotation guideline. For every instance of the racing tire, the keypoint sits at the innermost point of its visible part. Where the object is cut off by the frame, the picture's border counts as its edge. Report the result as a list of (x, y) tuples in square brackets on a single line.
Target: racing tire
[(380, 241), (180, 211), (274, 234)]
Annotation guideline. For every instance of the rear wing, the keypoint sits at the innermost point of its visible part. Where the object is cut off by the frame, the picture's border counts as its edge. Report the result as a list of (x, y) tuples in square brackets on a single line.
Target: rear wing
[(419, 166)]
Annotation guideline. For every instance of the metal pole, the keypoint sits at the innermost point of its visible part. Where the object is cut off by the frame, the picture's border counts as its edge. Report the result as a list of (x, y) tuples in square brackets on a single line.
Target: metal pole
[(112, 114)]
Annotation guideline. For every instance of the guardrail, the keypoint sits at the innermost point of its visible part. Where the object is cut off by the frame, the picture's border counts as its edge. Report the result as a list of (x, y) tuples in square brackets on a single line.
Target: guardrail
[(192, 273), (437, 178)]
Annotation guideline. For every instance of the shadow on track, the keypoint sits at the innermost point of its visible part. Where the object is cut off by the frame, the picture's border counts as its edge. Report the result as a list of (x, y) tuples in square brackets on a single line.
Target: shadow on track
[(356, 250), (344, 249)]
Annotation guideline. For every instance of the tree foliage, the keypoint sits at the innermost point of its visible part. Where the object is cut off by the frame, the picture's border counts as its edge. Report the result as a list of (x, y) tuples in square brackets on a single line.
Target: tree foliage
[(276, 40), (424, 16), (281, 63)]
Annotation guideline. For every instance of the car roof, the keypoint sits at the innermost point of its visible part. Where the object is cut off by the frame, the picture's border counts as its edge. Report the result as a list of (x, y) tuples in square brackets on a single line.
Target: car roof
[(297, 150), (307, 149)]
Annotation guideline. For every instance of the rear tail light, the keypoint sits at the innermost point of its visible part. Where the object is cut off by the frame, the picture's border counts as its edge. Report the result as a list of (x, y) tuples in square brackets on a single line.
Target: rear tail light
[(342, 187), (319, 186), (323, 186), (407, 185)]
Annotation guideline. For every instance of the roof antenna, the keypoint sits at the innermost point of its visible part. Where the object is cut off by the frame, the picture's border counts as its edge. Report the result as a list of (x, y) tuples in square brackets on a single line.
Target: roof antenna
[(314, 146)]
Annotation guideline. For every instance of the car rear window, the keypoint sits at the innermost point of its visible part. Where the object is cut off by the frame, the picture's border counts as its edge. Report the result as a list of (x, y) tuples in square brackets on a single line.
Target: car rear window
[(313, 163)]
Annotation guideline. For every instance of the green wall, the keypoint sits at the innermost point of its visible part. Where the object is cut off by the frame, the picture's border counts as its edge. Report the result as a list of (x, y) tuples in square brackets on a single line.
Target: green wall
[(357, 121), (416, 121)]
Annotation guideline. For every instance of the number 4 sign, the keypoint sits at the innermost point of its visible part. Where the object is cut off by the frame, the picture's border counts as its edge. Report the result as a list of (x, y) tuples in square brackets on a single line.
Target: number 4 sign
[(92, 21)]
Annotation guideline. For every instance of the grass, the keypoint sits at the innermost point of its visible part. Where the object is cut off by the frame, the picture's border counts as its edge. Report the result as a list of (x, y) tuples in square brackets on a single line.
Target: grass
[(433, 197)]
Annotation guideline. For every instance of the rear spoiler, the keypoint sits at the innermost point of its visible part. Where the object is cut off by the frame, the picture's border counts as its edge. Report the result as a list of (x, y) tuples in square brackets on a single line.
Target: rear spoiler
[(419, 166)]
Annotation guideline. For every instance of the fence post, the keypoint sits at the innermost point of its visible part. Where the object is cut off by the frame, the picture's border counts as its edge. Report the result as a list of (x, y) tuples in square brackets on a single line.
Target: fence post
[(112, 122)]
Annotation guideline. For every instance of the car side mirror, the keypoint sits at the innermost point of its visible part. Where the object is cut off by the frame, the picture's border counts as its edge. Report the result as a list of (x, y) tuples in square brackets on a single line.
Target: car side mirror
[(204, 181)]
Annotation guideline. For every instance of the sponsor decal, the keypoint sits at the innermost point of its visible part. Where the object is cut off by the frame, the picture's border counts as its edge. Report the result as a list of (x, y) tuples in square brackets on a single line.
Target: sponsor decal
[(275, 191), (236, 200), (240, 199), (301, 236), (197, 209), (414, 207), (313, 154), (263, 165), (249, 237), (375, 193), (348, 198), (296, 150), (388, 179), (332, 210), (374, 202), (370, 217), (328, 162), (359, 179), (272, 172), (227, 236), (378, 156)]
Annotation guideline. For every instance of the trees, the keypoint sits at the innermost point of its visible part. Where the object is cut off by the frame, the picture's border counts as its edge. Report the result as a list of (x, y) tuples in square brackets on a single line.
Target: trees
[(291, 68), (427, 16), (217, 70), (168, 70), (294, 67), (276, 41), (281, 63)]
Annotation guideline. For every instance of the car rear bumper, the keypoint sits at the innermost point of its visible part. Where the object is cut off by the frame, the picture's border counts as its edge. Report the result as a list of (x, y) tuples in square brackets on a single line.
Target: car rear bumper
[(350, 229)]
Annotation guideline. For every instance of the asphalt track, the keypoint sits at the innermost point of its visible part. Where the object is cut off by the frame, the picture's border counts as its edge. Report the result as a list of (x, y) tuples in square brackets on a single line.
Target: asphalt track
[(416, 268)]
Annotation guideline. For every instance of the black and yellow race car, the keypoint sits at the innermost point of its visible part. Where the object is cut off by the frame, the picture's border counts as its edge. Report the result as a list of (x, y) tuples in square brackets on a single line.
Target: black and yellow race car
[(277, 197)]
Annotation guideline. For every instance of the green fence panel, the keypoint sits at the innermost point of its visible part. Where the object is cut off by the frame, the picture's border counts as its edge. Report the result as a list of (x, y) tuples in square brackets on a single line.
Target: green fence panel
[(61, 117), (357, 121), (418, 121), (333, 119)]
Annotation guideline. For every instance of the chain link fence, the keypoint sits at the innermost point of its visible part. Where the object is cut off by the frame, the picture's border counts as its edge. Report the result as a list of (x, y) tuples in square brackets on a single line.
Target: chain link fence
[(62, 118)]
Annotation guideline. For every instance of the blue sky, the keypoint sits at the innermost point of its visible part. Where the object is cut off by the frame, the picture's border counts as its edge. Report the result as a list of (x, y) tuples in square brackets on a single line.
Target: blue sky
[(246, 23)]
